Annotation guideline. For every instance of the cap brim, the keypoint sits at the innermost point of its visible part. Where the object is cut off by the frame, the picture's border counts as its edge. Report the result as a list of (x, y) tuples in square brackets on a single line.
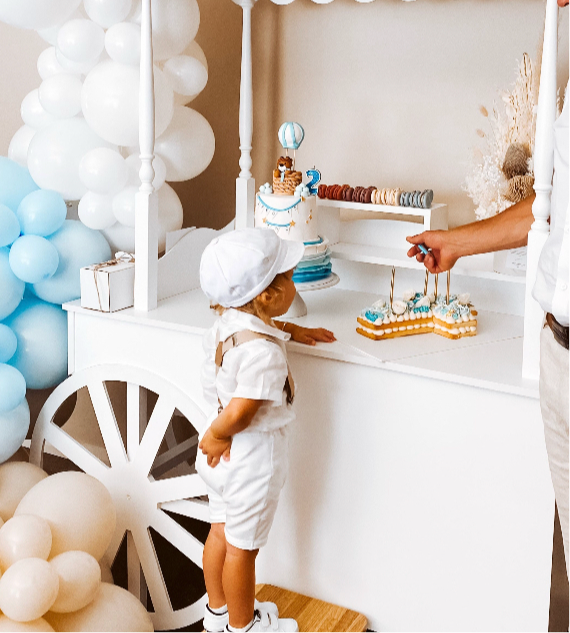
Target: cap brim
[(293, 255)]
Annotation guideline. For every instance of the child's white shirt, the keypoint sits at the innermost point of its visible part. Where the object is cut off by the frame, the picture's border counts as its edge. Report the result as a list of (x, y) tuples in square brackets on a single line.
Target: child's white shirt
[(256, 370)]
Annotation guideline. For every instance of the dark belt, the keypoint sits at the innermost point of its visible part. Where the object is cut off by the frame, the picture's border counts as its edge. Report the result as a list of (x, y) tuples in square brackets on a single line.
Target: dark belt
[(560, 331)]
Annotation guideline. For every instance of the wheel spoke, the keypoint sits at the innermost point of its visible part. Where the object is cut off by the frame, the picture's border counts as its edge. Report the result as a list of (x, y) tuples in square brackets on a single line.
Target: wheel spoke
[(107, 423), (114, 545), (176, 488), (192, 508), (136, 417), (154, 434), (152, 572), (136, 582), (173, 457), (176, 535), (74, 451)]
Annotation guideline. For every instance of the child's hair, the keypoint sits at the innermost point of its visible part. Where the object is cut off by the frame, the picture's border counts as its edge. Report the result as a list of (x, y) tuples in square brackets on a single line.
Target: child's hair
[(257, 305)]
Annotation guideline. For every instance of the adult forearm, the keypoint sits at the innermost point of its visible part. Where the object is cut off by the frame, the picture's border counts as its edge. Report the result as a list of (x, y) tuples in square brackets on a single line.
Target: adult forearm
[(508, 229)]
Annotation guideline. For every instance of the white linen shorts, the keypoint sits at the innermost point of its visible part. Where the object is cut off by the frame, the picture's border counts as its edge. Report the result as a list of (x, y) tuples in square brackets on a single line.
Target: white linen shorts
[(244, 492)]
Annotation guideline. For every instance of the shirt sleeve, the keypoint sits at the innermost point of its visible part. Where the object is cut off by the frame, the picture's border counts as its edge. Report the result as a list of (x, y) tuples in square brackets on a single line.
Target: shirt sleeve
[(261, 372), (208, 376)]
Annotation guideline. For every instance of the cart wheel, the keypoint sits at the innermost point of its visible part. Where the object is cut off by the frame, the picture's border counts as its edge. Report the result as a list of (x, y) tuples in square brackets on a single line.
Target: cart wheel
[(131, 475)]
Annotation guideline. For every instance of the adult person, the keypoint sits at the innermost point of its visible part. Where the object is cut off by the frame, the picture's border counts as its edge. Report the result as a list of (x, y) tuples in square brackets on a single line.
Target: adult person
[(510, 230)]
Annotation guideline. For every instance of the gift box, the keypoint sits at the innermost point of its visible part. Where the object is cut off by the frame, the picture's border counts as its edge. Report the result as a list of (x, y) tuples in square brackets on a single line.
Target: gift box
[(109, 286)]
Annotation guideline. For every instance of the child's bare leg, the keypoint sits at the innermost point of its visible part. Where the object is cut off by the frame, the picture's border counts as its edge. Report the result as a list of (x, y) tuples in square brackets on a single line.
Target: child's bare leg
[(239, 585), (213, 561)]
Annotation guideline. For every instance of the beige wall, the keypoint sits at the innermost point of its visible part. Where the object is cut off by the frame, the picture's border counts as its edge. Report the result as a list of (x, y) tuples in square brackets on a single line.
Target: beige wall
[(388, 92)]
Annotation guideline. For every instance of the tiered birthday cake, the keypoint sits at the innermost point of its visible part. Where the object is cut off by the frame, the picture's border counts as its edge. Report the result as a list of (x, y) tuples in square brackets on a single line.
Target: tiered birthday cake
[(289, 207)]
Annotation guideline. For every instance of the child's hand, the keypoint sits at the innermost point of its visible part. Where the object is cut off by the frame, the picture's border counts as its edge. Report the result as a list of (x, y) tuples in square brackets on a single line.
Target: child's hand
[(215, 448), (309, 336)]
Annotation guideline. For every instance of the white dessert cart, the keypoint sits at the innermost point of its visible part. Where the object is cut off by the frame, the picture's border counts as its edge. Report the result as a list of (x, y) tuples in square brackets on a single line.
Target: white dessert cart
[(422, 518)]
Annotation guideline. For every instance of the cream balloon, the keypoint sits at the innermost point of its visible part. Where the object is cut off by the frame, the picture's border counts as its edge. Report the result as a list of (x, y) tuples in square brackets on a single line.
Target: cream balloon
[(55, 153), (79, 510), (36, 14), (110, 102), (18, 148), (187, 147), (123, 43), (81, 41), (33, 113), (79, 580), (60, 95), (28, 589), (106, 13), (124, 206), (24, 536), (96, 211), (187, 75), (103, 171), (174, 25), (16, 479), (134, 165), (38, 625), (113, 609), (48, 64)]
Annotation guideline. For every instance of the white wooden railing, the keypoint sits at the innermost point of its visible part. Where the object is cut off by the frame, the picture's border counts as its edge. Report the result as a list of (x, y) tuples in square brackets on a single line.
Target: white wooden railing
[(543, 169)]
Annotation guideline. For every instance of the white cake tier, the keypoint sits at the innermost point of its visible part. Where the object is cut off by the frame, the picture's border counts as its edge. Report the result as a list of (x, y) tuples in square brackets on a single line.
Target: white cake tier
[(291, 217)]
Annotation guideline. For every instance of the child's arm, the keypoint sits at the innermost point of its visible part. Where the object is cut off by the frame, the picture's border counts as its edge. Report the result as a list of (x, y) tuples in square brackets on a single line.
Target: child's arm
[(236, 417), (306, 335)]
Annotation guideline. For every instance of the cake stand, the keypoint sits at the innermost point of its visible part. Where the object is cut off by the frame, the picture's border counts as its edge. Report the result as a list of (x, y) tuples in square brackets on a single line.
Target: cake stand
[(299, 307)]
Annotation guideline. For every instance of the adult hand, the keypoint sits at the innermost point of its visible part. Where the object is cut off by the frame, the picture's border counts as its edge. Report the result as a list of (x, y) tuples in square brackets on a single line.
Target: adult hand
[(215, 448), (442, 254)]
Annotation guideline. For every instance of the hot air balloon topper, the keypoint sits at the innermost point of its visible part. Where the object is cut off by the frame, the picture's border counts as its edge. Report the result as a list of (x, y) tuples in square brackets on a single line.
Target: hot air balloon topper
[(291, 136)]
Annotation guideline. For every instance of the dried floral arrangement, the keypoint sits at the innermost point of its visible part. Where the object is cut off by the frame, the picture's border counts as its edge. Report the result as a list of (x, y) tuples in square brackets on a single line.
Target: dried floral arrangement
[(502, 171)]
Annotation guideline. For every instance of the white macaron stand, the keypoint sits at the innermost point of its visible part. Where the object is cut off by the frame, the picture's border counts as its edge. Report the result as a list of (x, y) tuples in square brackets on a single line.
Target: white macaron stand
[(419, 458)]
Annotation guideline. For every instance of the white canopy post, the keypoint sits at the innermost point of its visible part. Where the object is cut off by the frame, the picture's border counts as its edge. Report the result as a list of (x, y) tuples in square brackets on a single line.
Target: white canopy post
[(543, 170), (146, 205), (245, 184)]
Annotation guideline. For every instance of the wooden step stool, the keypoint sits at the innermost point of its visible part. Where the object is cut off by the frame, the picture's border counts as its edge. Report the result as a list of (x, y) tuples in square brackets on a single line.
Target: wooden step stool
[(311, 614)]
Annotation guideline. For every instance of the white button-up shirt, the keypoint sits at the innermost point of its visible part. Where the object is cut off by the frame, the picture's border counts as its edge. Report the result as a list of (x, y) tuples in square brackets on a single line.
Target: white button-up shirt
[(551, 287), (256, 370)]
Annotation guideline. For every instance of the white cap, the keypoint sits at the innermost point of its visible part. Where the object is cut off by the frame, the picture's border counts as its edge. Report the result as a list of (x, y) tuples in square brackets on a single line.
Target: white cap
[(239, 265)]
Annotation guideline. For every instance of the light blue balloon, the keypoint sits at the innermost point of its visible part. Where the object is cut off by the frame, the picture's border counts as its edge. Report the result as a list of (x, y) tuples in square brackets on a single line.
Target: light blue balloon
[(8, 343), (78, 246), (11, 288), (33, 259), (9, 226), (42, 212), (41, 330), (16, 183), (14, 427), (12, 388)]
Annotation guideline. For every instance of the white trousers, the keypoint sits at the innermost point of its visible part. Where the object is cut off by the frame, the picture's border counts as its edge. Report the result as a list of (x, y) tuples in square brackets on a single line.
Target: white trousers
[(553, 388)]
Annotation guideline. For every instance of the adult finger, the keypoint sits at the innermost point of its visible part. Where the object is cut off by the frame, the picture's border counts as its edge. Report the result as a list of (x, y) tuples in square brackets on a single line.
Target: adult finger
[(416, 239)]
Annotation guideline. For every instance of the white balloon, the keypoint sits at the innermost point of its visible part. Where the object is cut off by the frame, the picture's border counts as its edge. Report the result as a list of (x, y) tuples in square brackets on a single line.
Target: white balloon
[(79, 68), (96, 211), (108, 12), (194, 50), (187, 75), (134, 167), (174, 25), (33, 113), (170, 218), (48, 65), (124, 206), (123, 43), (18, 149), (36, 14), (81, 41), (110, 102), (60, 95), (50, 34), (187, 146), (103, 171), (55, 153)]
